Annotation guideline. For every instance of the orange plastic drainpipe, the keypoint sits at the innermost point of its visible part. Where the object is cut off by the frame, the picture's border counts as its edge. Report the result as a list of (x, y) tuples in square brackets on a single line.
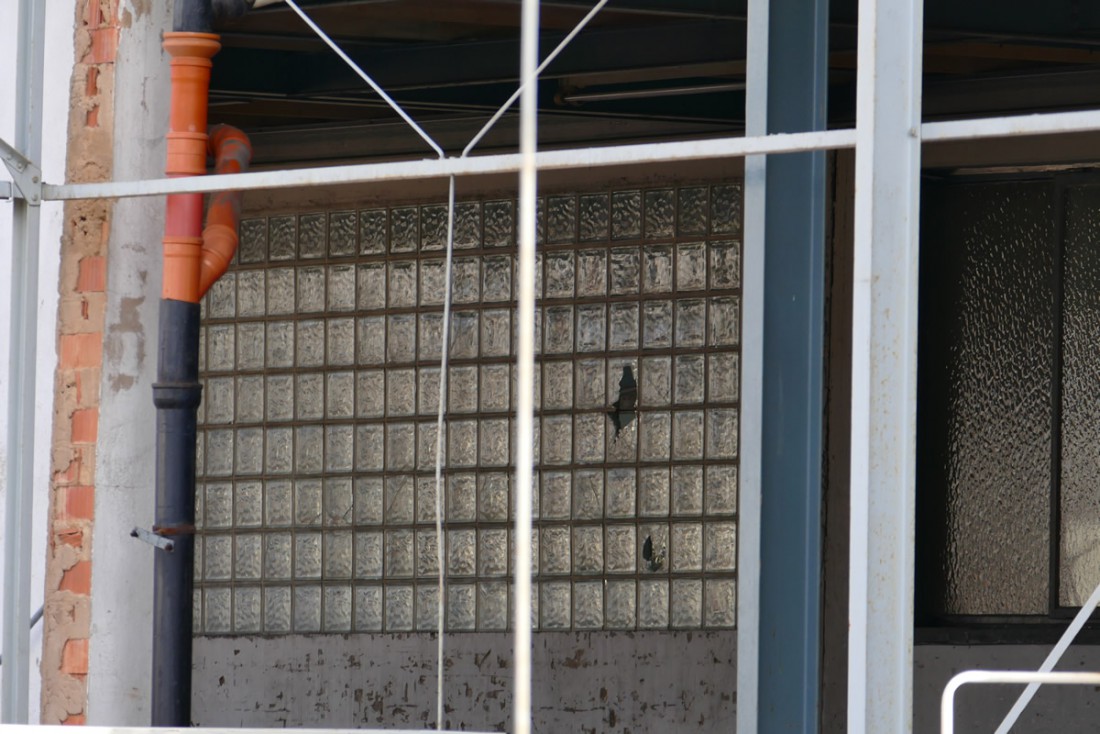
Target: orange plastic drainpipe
[(193, 258)]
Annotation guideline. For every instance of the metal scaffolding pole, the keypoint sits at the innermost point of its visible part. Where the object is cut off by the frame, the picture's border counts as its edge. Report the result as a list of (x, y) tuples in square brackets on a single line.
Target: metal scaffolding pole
[(19, 500)]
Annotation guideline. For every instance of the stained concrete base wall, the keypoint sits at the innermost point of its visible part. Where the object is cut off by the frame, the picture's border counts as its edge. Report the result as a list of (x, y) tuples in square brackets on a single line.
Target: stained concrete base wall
[(584, 682)]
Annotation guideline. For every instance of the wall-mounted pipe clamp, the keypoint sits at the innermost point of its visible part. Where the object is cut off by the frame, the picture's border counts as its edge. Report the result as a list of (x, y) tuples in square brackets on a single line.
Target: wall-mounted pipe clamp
[(154, 539), (26, 176)]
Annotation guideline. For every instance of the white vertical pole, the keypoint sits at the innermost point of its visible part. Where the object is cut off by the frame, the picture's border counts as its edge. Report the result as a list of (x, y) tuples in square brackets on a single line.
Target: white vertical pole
[(884, 367), (752, 374), (525, 364), (23, 349)]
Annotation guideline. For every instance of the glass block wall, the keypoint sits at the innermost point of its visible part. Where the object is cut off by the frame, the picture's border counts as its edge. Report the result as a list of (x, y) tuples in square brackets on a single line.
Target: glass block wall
[(320, 353)]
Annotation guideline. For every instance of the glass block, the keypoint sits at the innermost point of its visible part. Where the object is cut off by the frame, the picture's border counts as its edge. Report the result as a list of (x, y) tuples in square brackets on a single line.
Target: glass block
[(493, 500), (587, 495), (686, 553), (620, 542), (653, 492), (626, 215), (248, 504), (461, 607), (427, 553), (494, 443), (591, 273), (689, 385), (342, 228), (462, 552), (218, 396), (251, 299), (653, 604), (400, 495), (658, 535), (554, 605), (307, 555), (308, 498), (464, 335), (280, 291), (401, 338), (495, 387), (400, 447), (250, 346), (557, 439), (371, 281), (589, 438), (309, 450), (278, 503), (368, 500), (554, 550), (218, 505), (431, 336), (433, 227), (656, 382), (462, 392), (399, 608), (721, 490), (280, 397), (591, 386), (725, 209), (492, 552), (461, 498), (428, 611), (338, 499), (200, 452), (370, 338), (221, 299), (723, 377), (560, 276), (310, 392), (250, 451), (559, 329), (283, 238), (691, 267), (462, 443), (720, 602), (310, 338), (218, 557), (337, 609), (217, 611), (687, 490), (253, 241), (625, 269), (427, 446), (724, 322), (621, 492), (368, 608), (721, 546), (402, 284), (496, 277), (467, 225), (561, 219), (280, 344), (221, 350), (588, 605), (690, 323), (426, 500), (250, 399), (595, 216), (620, 605), (687, 435), (427, 391), (341, 288), (219, 453), (338, 554), (307, 609), (368, 555), (276, 609), (340, 342), (311, 236), (369, 447), (557, 378), (404, 225), (722, 433), (400, 392), (657, 324), (278, 553), (622, 441), (340, 395), (372, 232), (588, 550), (399, 560), (591, 328), (725, 264), (466, 275), (492, 606), (311, 290), (624, 326), (654, 436), (247, 610), (499, 223), (556, 491), (687, 603), (660, 213), (693, 208)]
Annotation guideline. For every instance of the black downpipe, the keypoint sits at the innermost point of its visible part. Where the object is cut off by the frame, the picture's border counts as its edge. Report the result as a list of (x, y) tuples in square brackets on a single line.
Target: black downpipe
[(199, 16), (176, 395)]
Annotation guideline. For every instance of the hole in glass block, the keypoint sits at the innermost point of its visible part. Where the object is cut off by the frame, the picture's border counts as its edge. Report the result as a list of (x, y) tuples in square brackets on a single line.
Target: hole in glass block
[(622, 410)]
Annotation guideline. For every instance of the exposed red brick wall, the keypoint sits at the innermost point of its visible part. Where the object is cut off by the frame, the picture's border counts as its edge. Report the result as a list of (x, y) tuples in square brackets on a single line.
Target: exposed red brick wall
[(81, 308)]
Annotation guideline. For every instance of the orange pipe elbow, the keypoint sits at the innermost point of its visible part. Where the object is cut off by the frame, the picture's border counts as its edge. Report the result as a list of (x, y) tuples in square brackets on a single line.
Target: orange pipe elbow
[(232, 153)]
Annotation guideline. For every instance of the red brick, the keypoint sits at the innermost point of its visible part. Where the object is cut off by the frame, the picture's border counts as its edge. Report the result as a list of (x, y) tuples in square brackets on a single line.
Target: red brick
[(74, 720), (104, 46), (81, 350), (80, 502), (91, 82), (93, 16), (73, 537), (74, 657), (85, 425), (93, 271), (78, 579)]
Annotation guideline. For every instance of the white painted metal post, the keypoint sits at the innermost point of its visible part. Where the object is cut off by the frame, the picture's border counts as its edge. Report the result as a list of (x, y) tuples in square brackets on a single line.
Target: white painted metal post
[(752, 374), (525, 364), (23, 349), (884, 367)]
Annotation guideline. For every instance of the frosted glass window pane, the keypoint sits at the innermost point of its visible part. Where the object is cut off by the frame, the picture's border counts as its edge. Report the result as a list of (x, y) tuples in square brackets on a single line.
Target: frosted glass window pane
[(555, 605), (660, 213), (217, 611), (372, 232), (499, 223), (492, 606), (725, 209), (310, 339), (342, 229), (371, 282), (621, 603), (278, 502), (402, 284), (721, 490), (493, 497), (311, 235), (725, 265), (626, 215), (337, 613), (307, 609), (687, 603), (403, 229), (311, 290), (653, 604), (277, 609), (693, 210), (595, 217), (368, 555), (248, 557), (399, 608), (691, 267), (250, 346), (247, 610), (368, 608), (588, 605), (721, 546), (368, 500), (720, 598)]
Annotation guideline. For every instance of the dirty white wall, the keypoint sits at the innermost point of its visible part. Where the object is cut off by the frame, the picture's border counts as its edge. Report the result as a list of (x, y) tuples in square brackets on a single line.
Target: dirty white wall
[(58, 68)]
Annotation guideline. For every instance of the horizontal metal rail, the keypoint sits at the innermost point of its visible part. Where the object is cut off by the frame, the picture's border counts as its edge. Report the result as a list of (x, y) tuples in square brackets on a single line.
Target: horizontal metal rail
[(58, 729), (947, 702), (1053, 123)]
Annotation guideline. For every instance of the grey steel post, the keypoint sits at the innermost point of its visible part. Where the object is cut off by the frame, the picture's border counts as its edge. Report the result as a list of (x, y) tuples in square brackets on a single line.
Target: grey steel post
[(19, 500)]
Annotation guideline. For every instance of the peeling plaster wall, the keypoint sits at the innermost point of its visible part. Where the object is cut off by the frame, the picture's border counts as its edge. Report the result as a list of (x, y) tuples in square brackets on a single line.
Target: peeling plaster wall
[(584, 682), (120, 658)]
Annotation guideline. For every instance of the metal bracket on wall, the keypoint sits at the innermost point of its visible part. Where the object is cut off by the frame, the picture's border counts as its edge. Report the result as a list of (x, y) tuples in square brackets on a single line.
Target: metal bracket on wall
[(26, 176), (154, 539)]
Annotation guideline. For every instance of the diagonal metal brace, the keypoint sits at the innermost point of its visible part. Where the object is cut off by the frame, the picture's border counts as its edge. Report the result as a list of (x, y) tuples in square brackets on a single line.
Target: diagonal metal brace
[(25, 174)]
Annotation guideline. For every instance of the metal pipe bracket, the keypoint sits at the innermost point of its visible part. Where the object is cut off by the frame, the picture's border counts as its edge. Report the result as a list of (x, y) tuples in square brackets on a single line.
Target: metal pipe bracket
[(153, 538)]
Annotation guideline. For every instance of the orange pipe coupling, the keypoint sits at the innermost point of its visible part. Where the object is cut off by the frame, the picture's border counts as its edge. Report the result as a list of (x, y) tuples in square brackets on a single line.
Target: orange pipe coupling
[(193, 258)]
